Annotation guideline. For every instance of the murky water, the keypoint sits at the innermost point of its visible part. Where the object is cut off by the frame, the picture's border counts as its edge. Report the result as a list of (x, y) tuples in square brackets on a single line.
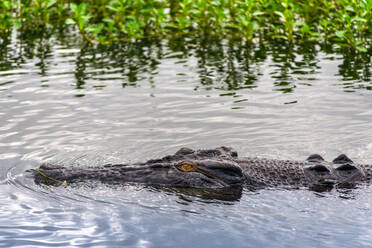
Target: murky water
[(81, 105)]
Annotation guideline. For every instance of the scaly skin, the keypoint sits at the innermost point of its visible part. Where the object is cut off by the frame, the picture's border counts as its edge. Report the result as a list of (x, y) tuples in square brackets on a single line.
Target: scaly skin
[(217, 169)]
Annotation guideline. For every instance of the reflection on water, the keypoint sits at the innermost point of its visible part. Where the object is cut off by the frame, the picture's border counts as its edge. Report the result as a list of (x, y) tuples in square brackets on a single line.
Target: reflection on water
[(225, 65), (65, 101)]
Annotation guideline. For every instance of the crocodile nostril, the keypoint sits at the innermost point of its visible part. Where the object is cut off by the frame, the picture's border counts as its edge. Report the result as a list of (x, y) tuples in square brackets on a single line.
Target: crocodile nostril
[(234, 154)]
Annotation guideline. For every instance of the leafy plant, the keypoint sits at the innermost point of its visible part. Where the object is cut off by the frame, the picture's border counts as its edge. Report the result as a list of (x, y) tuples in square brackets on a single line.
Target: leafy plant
[(347, 22)]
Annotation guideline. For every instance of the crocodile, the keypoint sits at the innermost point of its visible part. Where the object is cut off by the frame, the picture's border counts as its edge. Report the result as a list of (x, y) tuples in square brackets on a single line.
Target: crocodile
[(216, 169)]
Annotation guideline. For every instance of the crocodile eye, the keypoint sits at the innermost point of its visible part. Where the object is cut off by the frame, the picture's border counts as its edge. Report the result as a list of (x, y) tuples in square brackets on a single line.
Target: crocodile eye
[(187, 167), (184, 166)]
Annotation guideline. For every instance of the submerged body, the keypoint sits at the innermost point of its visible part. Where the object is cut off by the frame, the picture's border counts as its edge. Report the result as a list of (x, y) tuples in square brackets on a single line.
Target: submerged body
[(218, 168)]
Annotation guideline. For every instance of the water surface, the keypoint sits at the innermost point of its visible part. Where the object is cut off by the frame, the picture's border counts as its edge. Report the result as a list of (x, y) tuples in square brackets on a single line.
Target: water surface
[(64, 101)]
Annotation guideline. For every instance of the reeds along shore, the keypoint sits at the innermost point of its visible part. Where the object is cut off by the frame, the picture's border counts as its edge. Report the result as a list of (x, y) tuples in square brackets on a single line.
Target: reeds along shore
[(345, 22)]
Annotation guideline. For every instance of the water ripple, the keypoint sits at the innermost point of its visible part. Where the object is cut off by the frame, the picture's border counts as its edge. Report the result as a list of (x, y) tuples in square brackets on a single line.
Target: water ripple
[(87, 106)]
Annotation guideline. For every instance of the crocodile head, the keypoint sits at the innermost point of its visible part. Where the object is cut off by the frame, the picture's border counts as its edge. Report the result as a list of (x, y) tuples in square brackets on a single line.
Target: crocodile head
[(213, 168), (207, 169)]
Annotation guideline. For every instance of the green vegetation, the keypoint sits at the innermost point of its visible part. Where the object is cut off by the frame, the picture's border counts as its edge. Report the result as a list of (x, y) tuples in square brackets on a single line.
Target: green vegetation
[(49, 180), (345, 22)]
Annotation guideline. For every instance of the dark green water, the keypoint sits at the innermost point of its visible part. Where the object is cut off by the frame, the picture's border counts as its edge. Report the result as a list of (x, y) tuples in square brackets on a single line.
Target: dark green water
[(63, 101)]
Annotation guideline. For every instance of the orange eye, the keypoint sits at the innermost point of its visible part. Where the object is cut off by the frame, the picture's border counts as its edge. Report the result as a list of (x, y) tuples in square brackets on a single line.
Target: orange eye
[(186, 167)]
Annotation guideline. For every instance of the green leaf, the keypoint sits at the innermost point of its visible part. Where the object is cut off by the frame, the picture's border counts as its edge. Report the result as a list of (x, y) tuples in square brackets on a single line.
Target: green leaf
[(324, 22), (108, 20), (280, 36), (349, 8), (340, 34), (112, 8), (73, 7), (358, 19), (51, 2), (255, 26), (95, 29), (280, 14), (362, 49), (258, 13), (7, 4), (86, 17), (70, 21)]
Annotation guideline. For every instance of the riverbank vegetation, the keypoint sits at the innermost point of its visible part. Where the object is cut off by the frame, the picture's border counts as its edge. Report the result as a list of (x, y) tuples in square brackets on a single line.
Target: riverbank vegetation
[(345, 22)]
